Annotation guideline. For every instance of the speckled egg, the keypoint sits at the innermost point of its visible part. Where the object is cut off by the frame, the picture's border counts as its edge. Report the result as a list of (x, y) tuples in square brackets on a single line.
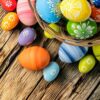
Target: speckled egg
[(25, 13), (76, 10), (27, 36), (51, 72), (82, 30), (9, 21), (86, 64), (48, 10), (69, 54)]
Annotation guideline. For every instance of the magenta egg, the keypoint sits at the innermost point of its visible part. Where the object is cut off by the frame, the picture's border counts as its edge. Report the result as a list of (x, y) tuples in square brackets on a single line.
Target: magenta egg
[(25, 14)]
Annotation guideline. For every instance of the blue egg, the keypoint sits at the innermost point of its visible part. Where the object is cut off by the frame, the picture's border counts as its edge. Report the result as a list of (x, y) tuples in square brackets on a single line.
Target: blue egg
[(51, 72), (69, 54), (48, 10), (96, 3)]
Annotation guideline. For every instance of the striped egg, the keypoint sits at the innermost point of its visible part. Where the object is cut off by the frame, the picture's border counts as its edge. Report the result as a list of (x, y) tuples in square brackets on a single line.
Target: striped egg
[(25, 13), (69, 54)]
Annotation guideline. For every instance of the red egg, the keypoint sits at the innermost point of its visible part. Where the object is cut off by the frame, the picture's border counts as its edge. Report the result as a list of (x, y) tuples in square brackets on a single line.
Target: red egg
[(8, 5), (95, 13)]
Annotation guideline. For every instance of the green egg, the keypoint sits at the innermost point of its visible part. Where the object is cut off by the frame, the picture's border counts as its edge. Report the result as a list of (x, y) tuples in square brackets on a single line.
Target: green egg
[(82, 30), (87, 64)]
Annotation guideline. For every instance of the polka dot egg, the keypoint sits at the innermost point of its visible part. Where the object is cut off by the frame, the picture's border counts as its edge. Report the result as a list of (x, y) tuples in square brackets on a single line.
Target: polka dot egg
[(69, 54)]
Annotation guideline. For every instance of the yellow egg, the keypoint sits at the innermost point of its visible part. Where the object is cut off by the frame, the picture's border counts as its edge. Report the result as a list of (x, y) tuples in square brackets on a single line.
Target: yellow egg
[(9, 21), (76, 10), (55, 28)]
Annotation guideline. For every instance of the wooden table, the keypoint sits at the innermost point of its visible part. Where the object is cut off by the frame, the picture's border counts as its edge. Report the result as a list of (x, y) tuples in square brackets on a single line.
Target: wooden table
[(17, 83)]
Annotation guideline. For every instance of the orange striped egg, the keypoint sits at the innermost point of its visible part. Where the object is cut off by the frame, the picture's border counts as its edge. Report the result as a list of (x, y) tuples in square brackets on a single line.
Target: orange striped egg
[(25, 13)]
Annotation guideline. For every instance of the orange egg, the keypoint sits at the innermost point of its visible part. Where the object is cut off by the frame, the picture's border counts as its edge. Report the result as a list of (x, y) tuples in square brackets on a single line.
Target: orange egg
[(34, 58), (9, 21)]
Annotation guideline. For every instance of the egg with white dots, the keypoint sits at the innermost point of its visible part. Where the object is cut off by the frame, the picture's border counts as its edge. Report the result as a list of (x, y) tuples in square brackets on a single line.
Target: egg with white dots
[(70, 54), (49, 10), (51, 72)]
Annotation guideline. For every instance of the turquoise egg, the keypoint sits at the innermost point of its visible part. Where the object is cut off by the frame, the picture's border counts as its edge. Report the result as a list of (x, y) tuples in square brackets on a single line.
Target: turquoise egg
[(51, 72), (70, 54)]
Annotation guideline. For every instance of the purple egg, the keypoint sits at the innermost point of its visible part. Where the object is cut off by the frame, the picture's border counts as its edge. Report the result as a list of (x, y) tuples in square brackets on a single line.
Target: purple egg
[(27, 36)]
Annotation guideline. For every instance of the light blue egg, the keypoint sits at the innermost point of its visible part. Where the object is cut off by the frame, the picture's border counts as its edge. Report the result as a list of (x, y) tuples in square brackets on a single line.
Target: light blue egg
[(69, 54), (48, 10), (51, 72)]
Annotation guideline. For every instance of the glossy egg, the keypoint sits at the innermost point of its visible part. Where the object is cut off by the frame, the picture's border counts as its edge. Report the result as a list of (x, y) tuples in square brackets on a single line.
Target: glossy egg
[(87, 64), (82, 30), (96, 51), (96, 3), (51, 72), (25, 13), (34, 58), (48, 10), (27, 36), (9, 21), (9, 5), (76, 10), (69, 54), (95, 13), (55, 27)]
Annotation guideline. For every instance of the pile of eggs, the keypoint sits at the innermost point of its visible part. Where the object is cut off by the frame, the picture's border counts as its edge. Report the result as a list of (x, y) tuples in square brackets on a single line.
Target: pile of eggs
[(82, 18)]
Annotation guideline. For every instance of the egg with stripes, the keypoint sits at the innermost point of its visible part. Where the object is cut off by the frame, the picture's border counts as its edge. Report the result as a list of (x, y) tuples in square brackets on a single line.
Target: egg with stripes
[(70, 54), (49, 10), (25, 14)]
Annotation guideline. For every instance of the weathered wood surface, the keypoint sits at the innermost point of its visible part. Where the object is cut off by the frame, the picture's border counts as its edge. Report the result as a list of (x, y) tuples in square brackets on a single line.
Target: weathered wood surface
[(17, 83)]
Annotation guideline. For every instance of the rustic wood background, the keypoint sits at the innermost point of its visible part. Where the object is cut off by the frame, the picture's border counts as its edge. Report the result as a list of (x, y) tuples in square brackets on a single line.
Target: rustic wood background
[(17, 83)]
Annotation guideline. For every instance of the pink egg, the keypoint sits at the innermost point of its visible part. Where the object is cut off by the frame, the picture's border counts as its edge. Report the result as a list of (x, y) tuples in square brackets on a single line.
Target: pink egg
[(25, 14)]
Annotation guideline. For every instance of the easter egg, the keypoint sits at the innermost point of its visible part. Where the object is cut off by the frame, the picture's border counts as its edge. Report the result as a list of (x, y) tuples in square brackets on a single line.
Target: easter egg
[(55, 28), (96, 3), (9, 5), (27, 36), (48, 10), (34, 58), (82, 30), (9, 21), (51, 72), (96, 51), (76, 10), (69, 54), (95, 13), (25, 14), (86, 64)]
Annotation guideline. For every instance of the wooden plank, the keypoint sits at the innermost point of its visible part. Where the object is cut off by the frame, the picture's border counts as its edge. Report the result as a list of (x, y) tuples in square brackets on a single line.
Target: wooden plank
[(96, 94)]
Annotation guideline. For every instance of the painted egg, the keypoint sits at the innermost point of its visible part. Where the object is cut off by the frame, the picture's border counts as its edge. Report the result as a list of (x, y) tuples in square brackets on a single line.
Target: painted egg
[(55, 28), (76, 10), (9, 5), (69, 54), (27, 36), (51, 72), (95, 13), (86, 64), (25, 14), (96, 3), (82, 30), (9, 21), (48, 10), (34, 58), (96, 51)]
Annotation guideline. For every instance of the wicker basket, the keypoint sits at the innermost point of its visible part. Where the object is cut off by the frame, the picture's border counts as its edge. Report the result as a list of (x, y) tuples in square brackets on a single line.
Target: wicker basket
[(64, 38)]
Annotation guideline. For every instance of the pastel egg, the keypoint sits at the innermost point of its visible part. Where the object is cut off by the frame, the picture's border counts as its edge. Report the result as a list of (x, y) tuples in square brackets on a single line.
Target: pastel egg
[(69, 54), (25, 14), (96, 51), (55, 27), (96, 3), (95, 13), (51, 72), (9, 5), (86, 64), (76, 10), (82, 30), (48, 10), (9, 21), (27, 36)]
